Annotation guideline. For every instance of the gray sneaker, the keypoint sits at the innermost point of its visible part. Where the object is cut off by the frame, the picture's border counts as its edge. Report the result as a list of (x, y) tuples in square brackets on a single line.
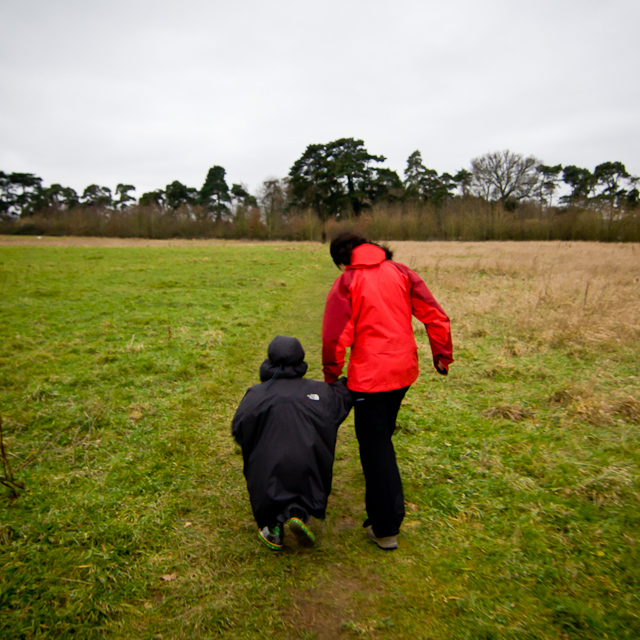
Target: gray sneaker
[(388, 544)]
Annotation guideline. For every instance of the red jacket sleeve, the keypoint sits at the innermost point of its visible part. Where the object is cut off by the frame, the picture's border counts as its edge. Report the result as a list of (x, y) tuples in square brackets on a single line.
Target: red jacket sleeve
[(425, 307), (337, 314)]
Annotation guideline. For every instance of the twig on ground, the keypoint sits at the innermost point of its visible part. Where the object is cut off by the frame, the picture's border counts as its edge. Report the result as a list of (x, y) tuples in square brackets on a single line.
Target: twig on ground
[(8, 480)]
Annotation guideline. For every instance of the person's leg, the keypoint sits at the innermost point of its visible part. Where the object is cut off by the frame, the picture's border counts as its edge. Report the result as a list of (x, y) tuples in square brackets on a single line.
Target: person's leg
[(375, 415), (395, 399), (295, 511)]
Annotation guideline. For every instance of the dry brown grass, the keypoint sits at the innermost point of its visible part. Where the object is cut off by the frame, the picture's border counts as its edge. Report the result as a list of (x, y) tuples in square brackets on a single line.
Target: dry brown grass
[(571, 293), (584, 403), (513, 412)]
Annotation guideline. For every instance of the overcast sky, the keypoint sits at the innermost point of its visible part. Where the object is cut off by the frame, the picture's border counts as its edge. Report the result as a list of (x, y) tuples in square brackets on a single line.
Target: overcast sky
[(146, 92)]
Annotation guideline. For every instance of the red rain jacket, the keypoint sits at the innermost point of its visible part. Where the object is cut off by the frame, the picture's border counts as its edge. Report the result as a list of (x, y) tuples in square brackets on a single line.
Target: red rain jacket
[(369, 310)]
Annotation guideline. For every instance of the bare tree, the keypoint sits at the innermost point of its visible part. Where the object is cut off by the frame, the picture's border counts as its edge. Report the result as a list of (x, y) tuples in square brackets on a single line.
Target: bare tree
[(273, 200), (504, 176)]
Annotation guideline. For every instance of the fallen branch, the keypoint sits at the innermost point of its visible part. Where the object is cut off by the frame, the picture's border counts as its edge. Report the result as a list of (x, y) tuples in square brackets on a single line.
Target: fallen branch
[(8, 480)]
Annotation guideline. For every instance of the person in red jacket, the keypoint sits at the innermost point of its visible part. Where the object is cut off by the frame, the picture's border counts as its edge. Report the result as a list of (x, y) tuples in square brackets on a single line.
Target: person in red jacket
[(368, 311)]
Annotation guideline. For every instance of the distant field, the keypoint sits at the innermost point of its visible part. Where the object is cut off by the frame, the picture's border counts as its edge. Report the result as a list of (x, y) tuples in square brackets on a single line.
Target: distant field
[(122, 363)]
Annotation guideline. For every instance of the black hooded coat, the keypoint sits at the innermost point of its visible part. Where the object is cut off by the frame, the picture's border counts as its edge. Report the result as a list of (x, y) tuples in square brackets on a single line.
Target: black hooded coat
[(287, 428)]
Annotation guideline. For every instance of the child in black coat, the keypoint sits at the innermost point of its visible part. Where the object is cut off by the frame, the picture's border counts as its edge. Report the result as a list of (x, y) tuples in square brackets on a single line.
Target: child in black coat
[(287, 428)]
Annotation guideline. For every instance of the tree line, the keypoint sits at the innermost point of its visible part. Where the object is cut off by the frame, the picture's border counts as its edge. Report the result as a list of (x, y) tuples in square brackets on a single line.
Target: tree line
[(341, 182), (23, 195)]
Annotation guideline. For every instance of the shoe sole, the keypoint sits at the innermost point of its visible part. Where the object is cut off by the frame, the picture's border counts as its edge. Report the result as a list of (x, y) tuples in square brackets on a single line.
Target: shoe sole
[(271, 545), (301, 532)]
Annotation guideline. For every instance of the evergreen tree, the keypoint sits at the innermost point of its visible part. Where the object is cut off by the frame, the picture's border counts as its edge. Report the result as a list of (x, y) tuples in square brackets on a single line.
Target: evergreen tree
[(334, 178), (214, 195)]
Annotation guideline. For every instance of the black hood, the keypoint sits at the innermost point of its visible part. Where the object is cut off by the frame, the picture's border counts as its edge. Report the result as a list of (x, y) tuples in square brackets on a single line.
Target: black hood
[(285, 359)]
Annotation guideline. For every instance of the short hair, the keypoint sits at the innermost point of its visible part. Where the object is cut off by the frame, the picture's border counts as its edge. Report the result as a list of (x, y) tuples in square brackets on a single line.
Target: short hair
[(344, 243)]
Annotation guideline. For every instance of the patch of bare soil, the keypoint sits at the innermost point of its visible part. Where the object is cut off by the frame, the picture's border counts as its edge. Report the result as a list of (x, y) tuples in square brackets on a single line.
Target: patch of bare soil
[(80, 241), (334, 609)]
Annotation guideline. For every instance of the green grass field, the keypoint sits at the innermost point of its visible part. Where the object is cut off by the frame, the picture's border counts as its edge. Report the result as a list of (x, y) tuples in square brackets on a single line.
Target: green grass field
[(120, 371)]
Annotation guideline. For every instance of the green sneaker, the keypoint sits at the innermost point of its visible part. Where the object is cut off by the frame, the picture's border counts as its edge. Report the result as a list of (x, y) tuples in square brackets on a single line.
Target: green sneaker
[(302, 533), (272, 536)]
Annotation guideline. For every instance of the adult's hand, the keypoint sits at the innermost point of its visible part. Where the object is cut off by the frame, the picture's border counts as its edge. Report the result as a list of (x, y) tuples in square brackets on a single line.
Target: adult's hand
[(441, 369)]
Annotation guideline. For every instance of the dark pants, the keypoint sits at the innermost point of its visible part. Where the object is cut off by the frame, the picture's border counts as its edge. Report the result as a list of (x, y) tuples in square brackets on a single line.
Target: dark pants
[(375, 420), (292, 510)]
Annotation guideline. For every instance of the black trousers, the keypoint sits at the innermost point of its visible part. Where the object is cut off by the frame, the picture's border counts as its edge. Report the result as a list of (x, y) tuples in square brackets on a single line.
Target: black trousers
[(375, 421)]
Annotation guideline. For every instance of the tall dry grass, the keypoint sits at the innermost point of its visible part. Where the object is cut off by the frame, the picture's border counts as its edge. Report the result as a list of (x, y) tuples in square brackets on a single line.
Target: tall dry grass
[(549, 293)]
